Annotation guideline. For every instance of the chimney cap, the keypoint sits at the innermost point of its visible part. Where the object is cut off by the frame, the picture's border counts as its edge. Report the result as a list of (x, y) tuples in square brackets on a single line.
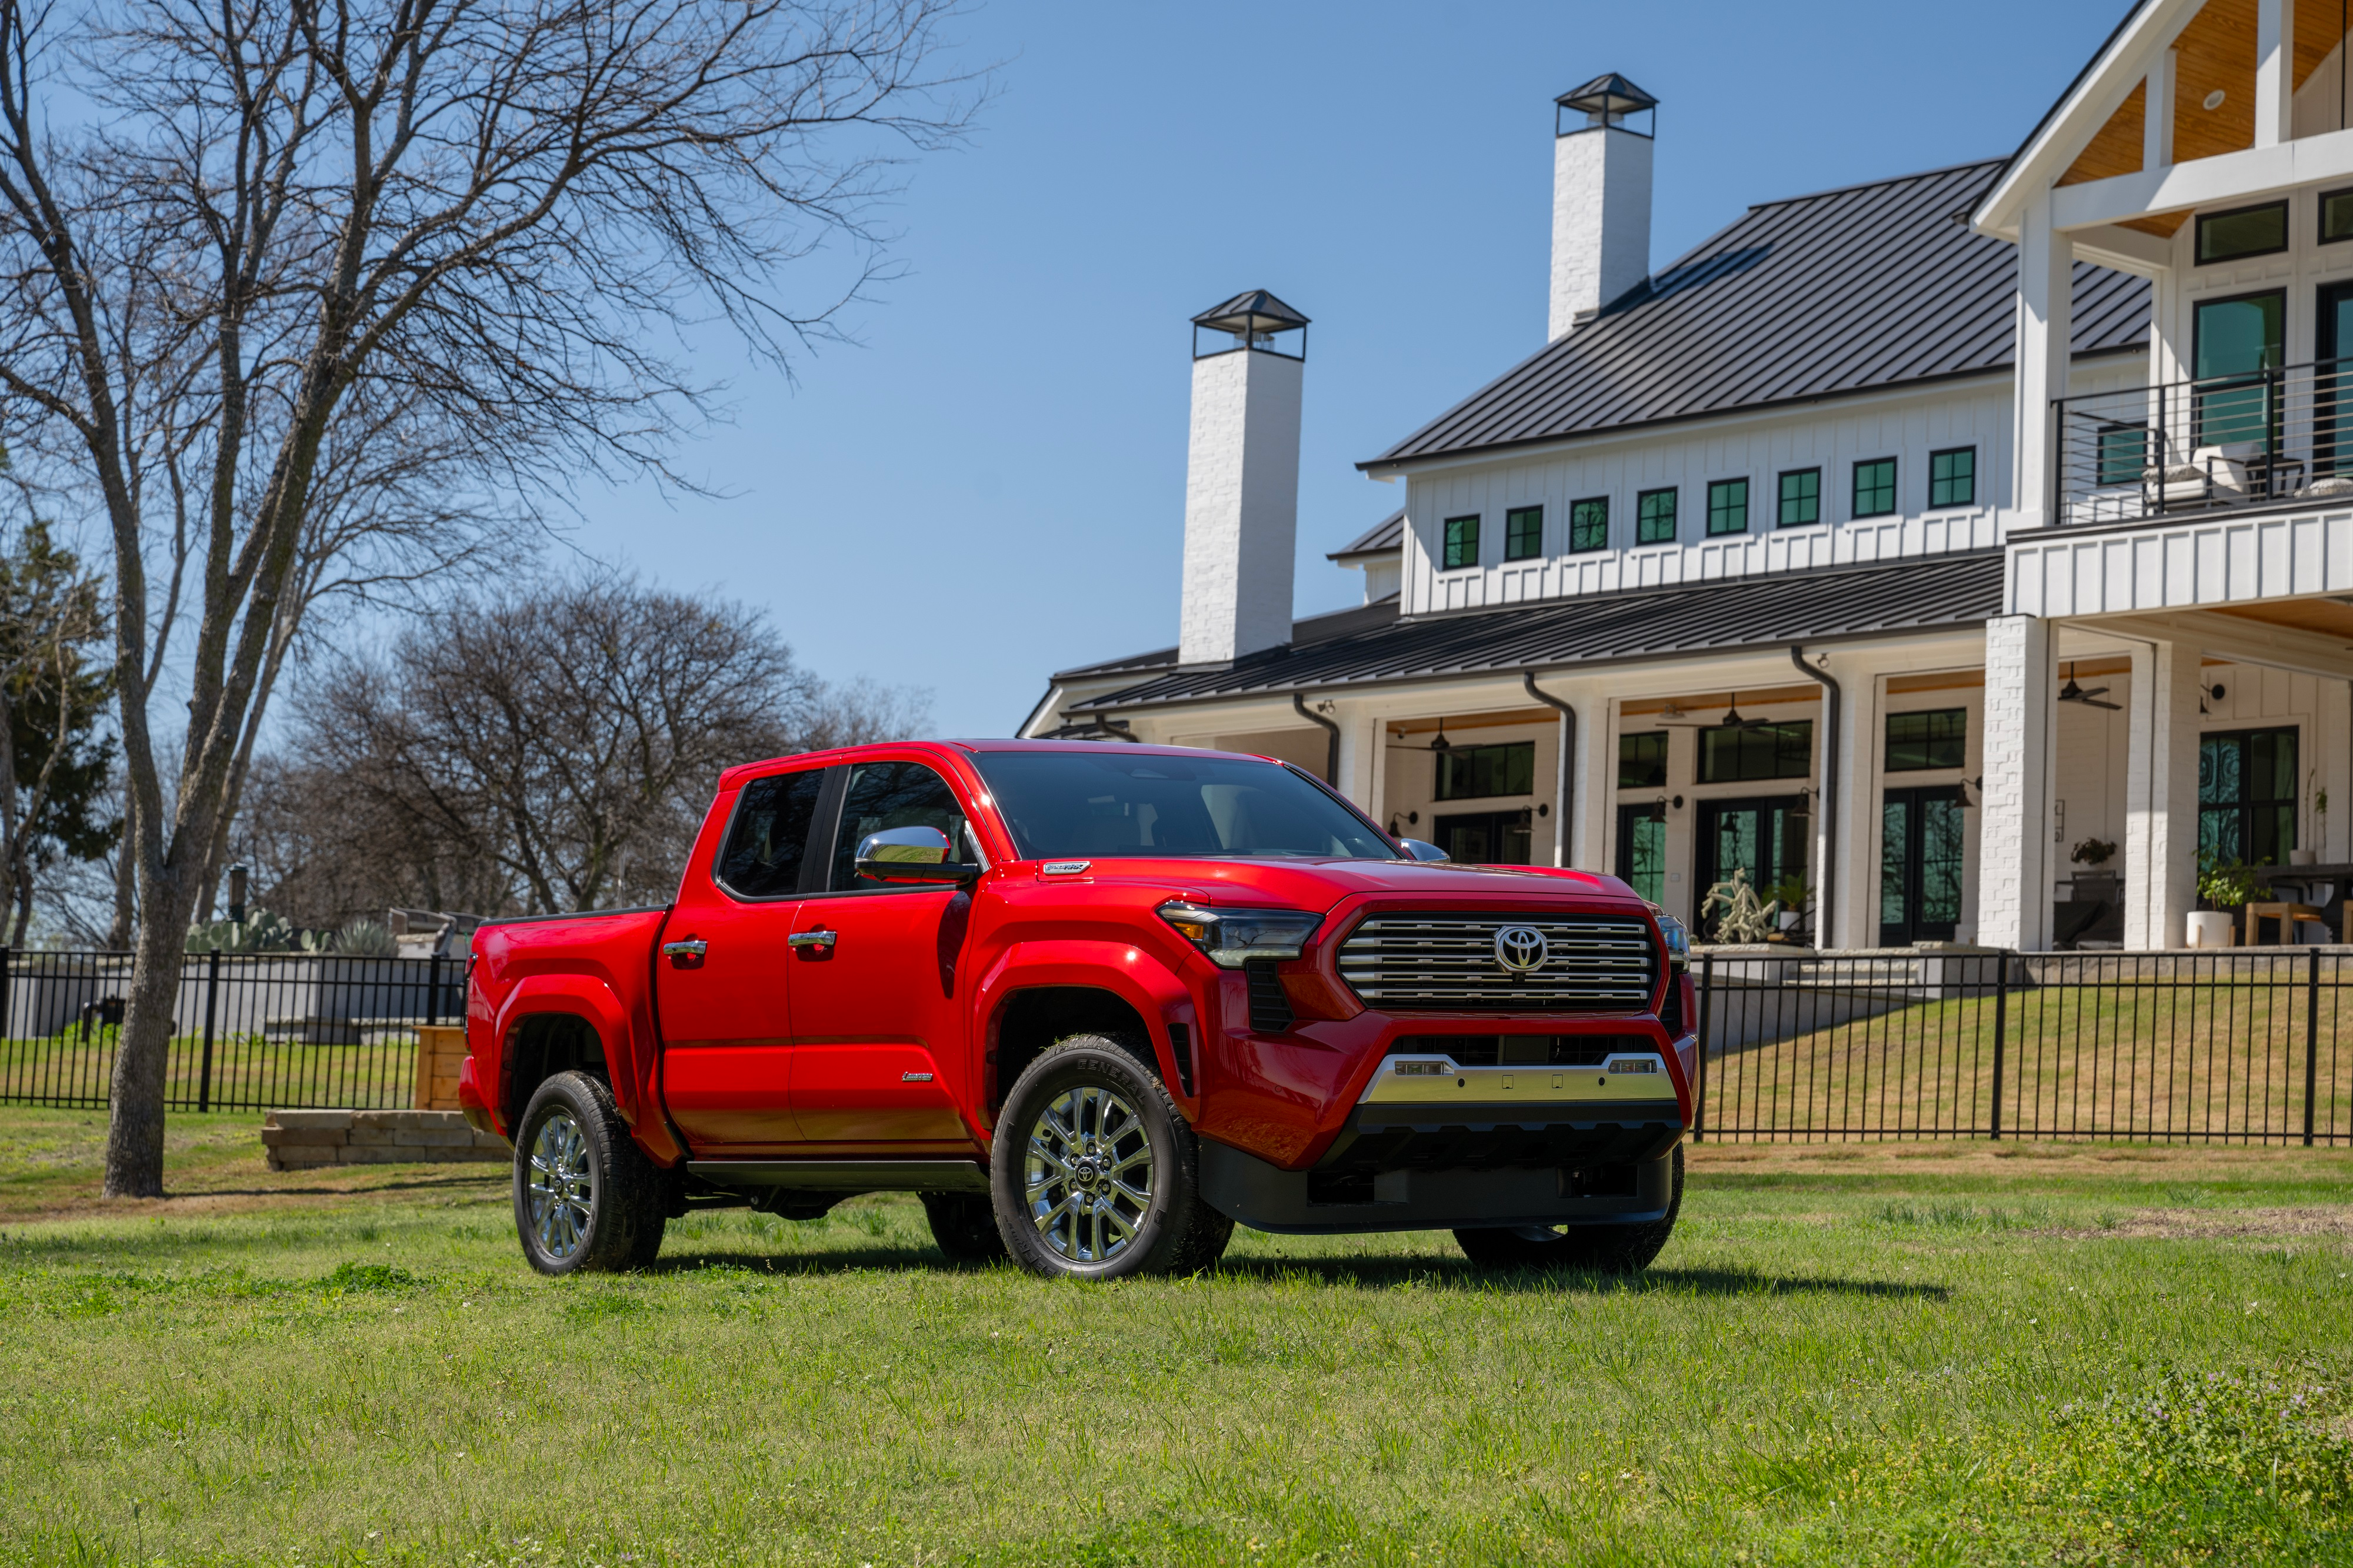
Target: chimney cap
[(1607, 94), (1253, 313)]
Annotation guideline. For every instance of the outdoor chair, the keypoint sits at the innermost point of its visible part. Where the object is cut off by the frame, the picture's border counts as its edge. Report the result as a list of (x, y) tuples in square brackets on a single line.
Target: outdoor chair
[(2289, 916), (2208, 475)]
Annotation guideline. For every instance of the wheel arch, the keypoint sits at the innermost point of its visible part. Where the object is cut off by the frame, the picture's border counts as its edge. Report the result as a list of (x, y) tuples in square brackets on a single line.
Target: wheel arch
[(1048, 991)]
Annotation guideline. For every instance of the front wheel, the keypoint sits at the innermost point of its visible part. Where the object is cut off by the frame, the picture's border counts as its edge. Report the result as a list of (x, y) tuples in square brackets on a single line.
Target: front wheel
[(1591, 1249), (1094, 1174), (587, 1199)]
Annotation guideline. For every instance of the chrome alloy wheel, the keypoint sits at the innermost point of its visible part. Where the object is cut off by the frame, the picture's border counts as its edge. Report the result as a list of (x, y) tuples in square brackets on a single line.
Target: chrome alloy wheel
[(1087, 1174), (561, 1187)]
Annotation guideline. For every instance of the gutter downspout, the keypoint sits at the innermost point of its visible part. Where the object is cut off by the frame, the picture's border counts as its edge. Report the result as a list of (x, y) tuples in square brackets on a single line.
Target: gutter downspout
[(1562, 793), (1331, 746), (1831, 696)]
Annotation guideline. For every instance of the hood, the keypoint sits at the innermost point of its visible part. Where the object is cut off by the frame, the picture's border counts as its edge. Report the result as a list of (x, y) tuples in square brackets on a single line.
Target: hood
[(1319, 884)]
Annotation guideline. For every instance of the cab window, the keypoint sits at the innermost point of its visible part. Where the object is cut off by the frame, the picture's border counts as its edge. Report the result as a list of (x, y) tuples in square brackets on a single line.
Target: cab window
[(768, 839), (894, 795)]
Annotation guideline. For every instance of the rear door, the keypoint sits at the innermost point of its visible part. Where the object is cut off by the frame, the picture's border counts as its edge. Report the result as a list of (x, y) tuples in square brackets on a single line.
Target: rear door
[(726, 1028), (879, 1058)]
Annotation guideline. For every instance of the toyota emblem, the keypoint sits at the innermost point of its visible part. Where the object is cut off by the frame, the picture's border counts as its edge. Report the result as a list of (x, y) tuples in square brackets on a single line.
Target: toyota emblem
[(1521, 949)]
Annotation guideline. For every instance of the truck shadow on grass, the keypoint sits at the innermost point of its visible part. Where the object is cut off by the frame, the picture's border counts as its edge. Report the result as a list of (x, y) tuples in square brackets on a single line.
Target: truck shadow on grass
[(1343, 1273)]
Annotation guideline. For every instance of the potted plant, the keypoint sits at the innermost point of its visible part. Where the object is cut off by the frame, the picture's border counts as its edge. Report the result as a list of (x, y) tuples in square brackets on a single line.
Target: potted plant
[(1790, 898), (2319, 795), (1745, 918), (2227, 885), (2094, 853)]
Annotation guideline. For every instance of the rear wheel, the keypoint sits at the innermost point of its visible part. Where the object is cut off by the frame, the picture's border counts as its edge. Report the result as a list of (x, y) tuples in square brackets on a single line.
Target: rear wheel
[(587, 1199), (964, 1226), (1095, 1174), (1594, 1248)]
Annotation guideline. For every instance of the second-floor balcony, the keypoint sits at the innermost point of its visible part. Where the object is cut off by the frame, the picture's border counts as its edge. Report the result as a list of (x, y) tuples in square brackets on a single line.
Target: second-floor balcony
[(2264, 438)]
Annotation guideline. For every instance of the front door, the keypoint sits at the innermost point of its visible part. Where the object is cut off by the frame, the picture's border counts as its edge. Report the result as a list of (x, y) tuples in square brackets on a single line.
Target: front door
[(880, 1058), (1642, 849), (726, 1066), (1767, 839), (1919, 866), (2246, 795)]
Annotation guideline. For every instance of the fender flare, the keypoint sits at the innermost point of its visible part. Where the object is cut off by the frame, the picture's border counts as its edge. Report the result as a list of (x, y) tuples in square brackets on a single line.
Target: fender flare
[(588, 999), (1159, 997)]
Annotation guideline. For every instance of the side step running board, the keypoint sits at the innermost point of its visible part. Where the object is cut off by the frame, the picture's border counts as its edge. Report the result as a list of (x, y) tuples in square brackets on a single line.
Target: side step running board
[(845, 1175)]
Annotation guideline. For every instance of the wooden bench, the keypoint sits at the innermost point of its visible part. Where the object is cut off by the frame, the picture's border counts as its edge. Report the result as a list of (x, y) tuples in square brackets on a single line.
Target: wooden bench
[(2289, 916)]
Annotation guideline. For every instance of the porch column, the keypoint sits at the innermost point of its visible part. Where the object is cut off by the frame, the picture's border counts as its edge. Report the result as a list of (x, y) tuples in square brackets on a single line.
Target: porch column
[(2046, 272), (1852, 853), (2161, 795), (2014, 834), (1361, 734), (1596, 761), (2274, 73)]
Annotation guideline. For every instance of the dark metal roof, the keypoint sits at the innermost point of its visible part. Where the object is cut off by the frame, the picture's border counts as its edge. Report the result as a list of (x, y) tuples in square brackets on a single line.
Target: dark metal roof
[(1255, 311), (1843, 292), (1313, 630), (1765, 611), (1384, 535)]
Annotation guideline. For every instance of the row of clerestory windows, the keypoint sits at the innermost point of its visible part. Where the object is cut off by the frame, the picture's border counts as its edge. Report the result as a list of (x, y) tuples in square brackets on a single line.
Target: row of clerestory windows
[(1798, 502)]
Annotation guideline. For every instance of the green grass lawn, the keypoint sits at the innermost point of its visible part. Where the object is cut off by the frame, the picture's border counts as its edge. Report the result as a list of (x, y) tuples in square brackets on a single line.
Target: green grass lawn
[(2052, 1354)]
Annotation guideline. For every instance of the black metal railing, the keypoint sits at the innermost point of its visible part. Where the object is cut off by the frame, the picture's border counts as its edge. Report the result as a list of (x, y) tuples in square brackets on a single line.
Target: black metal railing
[(249, 1031), (2247, 1047), (2191, 447)]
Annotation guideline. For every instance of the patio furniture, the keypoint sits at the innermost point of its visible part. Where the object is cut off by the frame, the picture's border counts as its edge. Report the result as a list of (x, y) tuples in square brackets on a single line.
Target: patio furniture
[(2208, 475), (2288, 915)]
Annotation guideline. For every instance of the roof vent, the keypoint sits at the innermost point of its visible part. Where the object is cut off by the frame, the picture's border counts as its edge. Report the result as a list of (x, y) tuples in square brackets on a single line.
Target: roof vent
[(1255, 320), (1607, 100)]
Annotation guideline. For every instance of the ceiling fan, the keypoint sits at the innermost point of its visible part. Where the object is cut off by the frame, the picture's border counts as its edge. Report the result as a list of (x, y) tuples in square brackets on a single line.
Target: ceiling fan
[(1440, 744), (1732, 719), (2070, 692)]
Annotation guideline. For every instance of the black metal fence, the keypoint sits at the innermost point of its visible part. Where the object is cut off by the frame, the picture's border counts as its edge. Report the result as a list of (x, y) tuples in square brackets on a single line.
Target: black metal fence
[(249, 1031), (2242, 1046)]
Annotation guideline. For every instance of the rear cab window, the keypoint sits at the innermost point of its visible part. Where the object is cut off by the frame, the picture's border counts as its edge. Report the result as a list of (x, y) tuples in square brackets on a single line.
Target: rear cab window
[(768, 839)]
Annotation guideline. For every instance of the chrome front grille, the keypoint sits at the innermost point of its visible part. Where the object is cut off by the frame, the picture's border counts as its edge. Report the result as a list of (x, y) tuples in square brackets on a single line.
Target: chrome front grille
[(1594, 964)]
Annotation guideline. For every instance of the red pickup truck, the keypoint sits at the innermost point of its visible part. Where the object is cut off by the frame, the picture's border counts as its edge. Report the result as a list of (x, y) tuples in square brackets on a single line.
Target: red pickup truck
[(1096, 1003)]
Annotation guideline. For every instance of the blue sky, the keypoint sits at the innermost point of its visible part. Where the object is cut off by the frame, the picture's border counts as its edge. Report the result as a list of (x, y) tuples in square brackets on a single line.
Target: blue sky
[(989, 485)]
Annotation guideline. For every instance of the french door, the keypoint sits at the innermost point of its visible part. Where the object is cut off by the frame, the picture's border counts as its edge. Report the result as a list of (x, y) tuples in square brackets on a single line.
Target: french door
[(1920, 855), (2246, 795), (1642, 849), (1769, 838)]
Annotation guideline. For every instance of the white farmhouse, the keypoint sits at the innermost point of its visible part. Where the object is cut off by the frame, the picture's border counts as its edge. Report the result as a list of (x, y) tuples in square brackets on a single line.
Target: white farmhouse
[(1907, 543)]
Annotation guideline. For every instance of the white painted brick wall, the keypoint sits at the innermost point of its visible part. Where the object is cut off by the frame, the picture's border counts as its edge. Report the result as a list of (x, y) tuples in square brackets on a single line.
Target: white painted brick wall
[(1242, 505), (2161, 795), (2014, 829), (1600, 220)]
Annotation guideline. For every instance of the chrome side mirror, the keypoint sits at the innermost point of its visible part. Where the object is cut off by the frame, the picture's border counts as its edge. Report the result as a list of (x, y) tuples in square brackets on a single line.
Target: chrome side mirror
[(910, 855), (1422, 849)]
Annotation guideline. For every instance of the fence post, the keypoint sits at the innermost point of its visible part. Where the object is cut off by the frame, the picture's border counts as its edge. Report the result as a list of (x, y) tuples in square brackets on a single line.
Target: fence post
[(433, 994), (2311, 1041), (2001, 1032), (7, 965), (212, 996), (1699, 1094)]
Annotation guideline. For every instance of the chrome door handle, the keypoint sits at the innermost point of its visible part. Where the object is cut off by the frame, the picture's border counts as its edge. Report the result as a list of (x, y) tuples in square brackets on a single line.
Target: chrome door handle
[(692, 947), (810, 939)]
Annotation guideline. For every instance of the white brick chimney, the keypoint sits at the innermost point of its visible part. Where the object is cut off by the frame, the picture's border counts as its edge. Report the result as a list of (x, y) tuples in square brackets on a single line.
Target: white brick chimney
[(1601, 198), (1242, 478)]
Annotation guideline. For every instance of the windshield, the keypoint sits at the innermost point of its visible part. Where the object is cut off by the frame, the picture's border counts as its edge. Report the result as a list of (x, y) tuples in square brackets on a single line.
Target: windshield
[(1091, 805)]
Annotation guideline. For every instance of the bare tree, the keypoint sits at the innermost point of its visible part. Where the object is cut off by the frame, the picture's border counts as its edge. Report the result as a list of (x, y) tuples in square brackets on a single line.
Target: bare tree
[(493, 207), (567, 741)]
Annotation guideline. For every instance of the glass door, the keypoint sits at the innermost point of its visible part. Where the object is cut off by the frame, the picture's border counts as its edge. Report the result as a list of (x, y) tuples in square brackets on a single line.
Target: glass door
[(1767, 839), (2332, 389), (2236, 344), (2246, 796), (1642, 849), (1484, 837), (1920, 854)]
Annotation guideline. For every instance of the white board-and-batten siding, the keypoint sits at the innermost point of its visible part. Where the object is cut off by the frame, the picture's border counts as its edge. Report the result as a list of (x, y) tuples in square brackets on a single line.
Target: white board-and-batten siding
[(2212, 561)]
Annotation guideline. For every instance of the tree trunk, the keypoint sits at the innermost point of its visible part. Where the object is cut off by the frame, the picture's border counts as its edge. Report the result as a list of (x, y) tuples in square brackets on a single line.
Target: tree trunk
[(134, 1143)]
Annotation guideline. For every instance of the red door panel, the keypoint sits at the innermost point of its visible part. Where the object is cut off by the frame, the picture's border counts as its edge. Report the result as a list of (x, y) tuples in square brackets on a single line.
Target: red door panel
[(872, 1012), (726, 1052)]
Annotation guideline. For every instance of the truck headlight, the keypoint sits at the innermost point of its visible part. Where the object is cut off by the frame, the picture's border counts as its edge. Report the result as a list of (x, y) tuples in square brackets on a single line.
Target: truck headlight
[(1233, 937), (1678, 942)]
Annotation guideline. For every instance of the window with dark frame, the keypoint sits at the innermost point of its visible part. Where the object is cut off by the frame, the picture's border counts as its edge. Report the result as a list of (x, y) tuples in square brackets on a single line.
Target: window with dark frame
[(769, 837), (2258, 230), (1727, 506), (1588, 524), (2123, 454), (2247, 795), (1477, 773), (1523, 532), (1937, 738), (1953, 476), (1739, 753), (1642, 760), (2336, 216), (1462, 542), (1874, 488), (1655, 517), (1801, 498)]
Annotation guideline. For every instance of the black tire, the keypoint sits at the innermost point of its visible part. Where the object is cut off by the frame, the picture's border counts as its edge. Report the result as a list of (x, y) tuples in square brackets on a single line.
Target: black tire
[(1590, 1248), (964, 1226), (602, 1211), (1100, 1121)]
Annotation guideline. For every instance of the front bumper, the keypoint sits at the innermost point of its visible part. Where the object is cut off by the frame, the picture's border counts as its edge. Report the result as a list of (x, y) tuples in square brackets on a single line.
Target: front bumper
[(1600, 1189)]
